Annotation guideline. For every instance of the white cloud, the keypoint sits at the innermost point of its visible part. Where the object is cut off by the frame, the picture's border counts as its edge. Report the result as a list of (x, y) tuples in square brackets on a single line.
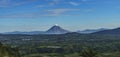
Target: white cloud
[(60, 11), (47, 13), (50, 3), (74, 3)]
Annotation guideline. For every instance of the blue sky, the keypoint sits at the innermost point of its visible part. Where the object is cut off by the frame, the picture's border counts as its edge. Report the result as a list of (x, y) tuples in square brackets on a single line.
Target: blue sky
[(40, 15)]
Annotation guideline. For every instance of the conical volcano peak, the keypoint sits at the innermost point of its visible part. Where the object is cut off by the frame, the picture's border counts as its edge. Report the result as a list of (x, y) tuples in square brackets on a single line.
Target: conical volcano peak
[(56, 30), (56, 25)]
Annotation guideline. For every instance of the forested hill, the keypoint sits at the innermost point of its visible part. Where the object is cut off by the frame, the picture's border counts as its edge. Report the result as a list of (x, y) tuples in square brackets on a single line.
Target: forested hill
[(63, 43), (110, 31)]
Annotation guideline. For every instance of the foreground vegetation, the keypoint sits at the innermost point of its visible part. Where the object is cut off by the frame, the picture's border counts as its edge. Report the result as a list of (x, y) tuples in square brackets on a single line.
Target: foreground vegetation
[(6, 51), (66, 45)]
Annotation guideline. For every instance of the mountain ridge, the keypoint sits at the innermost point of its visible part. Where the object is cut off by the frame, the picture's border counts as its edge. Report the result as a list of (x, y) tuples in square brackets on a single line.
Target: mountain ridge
[(88, 31), (59, 30), (53, 30), (110, 31)]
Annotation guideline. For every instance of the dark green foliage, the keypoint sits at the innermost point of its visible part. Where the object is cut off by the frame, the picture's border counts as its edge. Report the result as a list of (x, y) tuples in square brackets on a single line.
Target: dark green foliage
[(88, 52), (8, 51)]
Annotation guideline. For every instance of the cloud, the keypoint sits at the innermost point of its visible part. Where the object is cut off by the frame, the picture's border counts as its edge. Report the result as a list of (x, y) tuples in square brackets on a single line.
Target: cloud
[(25, 15), (51, 11), (46, 3), (59, 2), (11, 3), (74, 3), (60, 11), (50, 3), (46, 13)]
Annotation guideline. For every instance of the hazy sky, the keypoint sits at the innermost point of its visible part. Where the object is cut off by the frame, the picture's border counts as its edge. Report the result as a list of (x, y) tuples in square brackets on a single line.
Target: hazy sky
[(39, 15)]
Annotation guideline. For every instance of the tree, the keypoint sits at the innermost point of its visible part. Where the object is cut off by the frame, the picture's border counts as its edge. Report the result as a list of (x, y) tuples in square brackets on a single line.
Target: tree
[(8, 51), (88, 52)]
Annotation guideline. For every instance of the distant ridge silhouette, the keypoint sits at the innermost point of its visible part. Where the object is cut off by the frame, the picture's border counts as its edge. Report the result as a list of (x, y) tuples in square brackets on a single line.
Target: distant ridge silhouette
[(53, 30), (110, 31), (59, 30)]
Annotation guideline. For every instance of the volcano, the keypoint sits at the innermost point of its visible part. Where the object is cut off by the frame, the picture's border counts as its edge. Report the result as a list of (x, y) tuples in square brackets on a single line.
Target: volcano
[(56, 30)]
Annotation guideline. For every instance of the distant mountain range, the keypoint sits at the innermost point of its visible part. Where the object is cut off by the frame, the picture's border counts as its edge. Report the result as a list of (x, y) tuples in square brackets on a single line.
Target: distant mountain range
[(30, 33), (88, 31), (53, 30), (58, 30), (110, 31)]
